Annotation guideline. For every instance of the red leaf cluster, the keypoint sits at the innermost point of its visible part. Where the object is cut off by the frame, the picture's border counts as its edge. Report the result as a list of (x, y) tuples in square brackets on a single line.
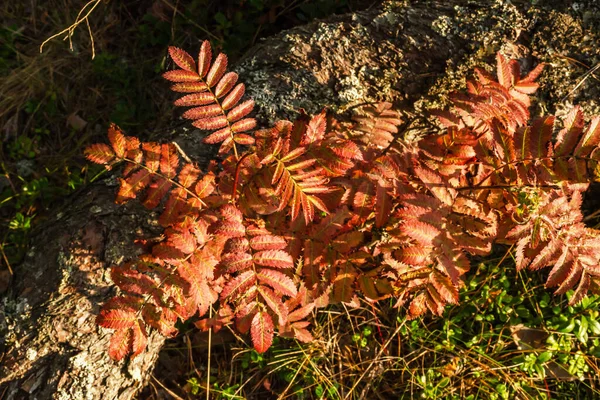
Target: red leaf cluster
[(317, 211)]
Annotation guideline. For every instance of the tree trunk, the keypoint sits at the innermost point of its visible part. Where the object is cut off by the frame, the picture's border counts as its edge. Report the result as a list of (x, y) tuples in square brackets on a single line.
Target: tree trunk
[(410, 54)]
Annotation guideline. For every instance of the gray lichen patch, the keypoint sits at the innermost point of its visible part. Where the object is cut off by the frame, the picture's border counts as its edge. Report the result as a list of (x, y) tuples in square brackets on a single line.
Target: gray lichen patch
[(14, 314)]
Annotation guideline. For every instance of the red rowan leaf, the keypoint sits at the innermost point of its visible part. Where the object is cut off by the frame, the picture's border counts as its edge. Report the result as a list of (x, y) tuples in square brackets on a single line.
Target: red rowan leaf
[(302, 335), (581, 290), (346, 242), (527, 87), (505, 75), (168, 253), (244, 125), (316, 128), (197, 273), (268, 242), (278, 281), (231, 229), (274, 258), (205, 186), (218, 136), (99, 153), (216, 71), (152, 152), (162, 319), (415, 255), (204, 58), (182, 59), (195, 99), (422, 232), (226, 84), (434, 183), (417, 306), (343, 289), (120, 318), (261, 331), (238, 284), (234, 96), (569, 136), (235, 262), (131, 281), (383, 205), (433, 301), (273, 301), (237, 245), (444, 286), (232, 213), (378, 126), (301, 313), (117, 140), (210, 123), (174, 207), (572, 277), (534, 73), (203, 112), (189, 87), (132, 185), (244, 139), (120, 344), (240, 111), (297, 152), (590, 139), (139, 338), (542, 134), (156, 191), (188, 175), (181, 76), (182, 240)]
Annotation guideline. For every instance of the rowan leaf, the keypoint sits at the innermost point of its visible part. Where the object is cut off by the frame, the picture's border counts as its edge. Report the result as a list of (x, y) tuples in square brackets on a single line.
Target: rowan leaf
[(120, 344), (182, 59), (278, 281), (268, 242), (301, 313), (139, 338), (239, 261), (117, 140), (216, 71), (181, 76), (120, 318), (273, 301), (204, 58), (238, 284), (274, 258), (99, 153), (226, 84), (261, 331)]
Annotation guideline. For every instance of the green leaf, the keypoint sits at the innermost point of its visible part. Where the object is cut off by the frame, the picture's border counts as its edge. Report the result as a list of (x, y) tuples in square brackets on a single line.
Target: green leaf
[(544, 357), (594, 326), (582, 334), (444, 382), (569, 327)]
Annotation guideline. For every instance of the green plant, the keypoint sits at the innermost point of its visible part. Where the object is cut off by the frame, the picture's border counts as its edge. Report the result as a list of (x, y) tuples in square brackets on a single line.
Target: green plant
[(314, 211)]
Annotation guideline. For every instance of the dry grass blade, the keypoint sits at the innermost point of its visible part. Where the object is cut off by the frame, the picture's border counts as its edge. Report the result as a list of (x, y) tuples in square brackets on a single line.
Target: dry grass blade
[(92, 4)]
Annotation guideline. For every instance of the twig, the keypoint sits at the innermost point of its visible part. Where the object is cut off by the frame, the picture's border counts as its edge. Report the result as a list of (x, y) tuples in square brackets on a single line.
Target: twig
[(71, 29), (581, 81)]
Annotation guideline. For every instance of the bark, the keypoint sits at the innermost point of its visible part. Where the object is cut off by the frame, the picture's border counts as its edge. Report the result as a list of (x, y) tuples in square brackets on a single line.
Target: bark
[(412, 54)]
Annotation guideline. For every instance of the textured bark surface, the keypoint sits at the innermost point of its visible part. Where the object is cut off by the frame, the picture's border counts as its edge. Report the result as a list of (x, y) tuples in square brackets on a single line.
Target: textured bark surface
[(53, 347), (412, 54)]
